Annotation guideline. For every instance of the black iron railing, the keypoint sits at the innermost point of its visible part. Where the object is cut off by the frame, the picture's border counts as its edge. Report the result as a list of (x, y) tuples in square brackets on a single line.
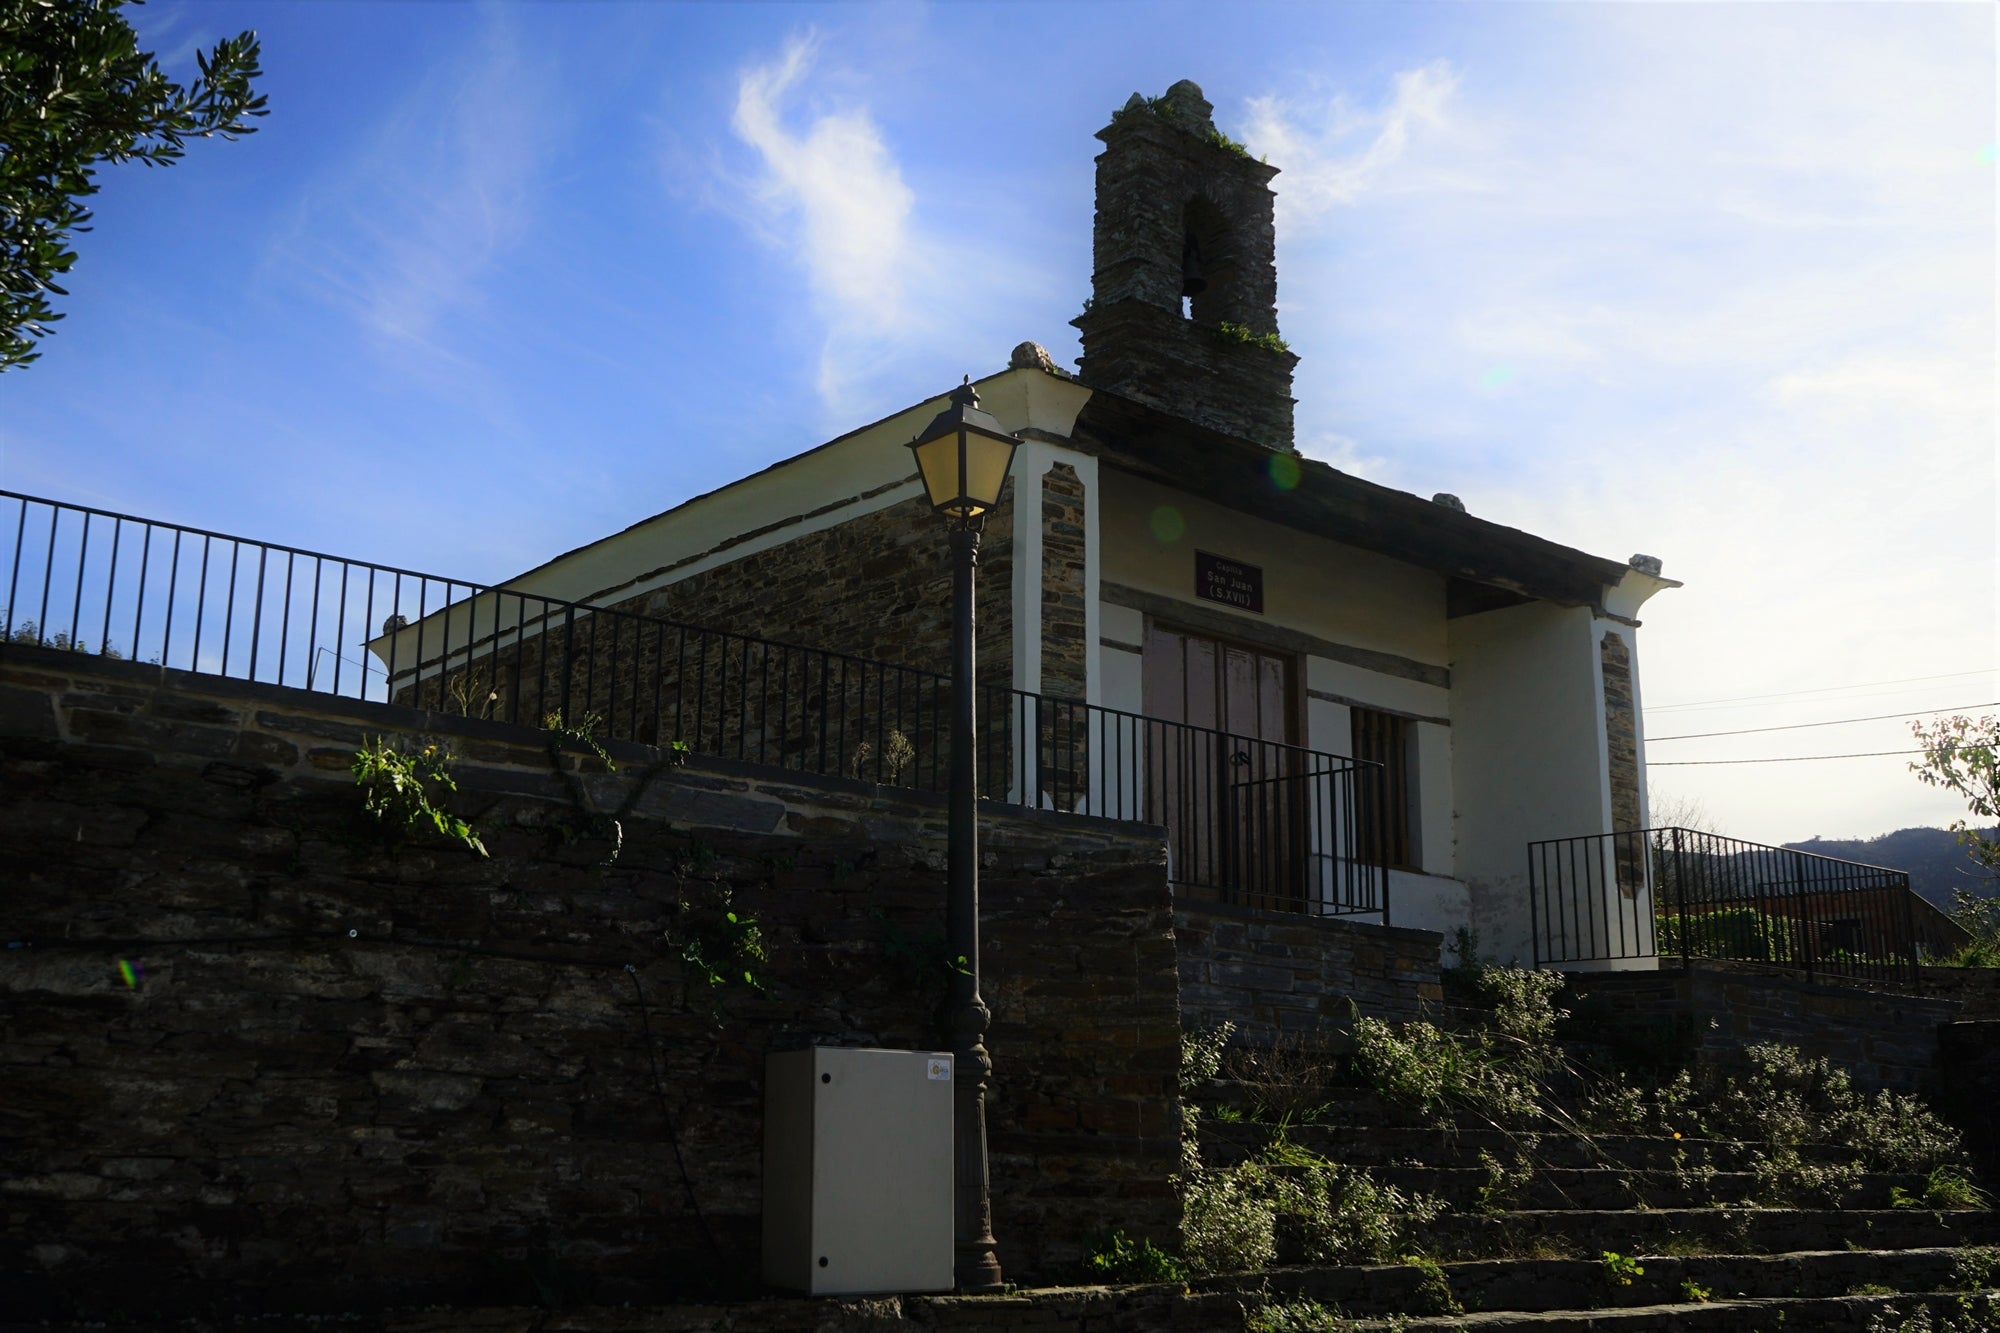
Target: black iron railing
[(1248, 821), (1677, 893), (1252, 822)]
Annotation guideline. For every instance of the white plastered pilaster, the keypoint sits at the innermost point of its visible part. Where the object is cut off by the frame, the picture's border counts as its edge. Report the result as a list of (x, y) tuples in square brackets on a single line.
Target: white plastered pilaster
[(1031, 461)]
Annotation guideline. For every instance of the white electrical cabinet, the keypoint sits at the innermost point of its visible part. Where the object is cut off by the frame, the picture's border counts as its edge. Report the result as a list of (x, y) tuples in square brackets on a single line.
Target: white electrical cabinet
[(858, 1170)]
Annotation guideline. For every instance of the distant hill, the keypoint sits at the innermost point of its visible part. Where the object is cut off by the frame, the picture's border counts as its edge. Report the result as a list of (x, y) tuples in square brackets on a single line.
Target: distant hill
[(1937, 864)]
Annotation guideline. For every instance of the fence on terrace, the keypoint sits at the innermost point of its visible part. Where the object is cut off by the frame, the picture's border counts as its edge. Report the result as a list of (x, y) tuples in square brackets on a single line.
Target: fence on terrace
[(1682, 893)]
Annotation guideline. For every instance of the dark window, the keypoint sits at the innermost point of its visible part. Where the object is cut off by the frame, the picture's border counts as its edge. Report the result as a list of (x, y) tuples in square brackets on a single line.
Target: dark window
[(1384, 738)]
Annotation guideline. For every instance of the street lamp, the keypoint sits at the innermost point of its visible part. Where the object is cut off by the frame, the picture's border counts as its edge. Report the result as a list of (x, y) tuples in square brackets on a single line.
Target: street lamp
[(964, 457)]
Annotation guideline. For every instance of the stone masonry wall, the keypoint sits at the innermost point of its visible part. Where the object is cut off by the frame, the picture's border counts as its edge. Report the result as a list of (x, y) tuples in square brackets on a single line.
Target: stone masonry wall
[(1621, 730), (877, 586), (1276, 974), (1064, 674), (876, 589), (1884, 1041), (259, 1056), (1976, 988)]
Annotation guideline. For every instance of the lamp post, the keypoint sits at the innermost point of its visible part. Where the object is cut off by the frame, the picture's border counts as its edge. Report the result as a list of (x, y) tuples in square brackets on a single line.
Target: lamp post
[(964, 457)]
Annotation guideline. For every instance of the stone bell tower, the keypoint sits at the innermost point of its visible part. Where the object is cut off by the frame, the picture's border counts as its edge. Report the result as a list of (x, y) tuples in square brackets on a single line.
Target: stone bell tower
[(1183, 313)]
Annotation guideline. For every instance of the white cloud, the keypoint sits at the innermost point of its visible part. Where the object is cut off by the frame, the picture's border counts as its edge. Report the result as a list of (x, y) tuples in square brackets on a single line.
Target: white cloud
[(834, 194), (407, 234), (1331, 153)]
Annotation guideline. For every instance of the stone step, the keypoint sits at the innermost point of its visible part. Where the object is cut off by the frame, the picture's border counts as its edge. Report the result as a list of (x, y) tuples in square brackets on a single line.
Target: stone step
[(1533, 1285), (1829, 1314), (1588, 1232), (1382, 1145)]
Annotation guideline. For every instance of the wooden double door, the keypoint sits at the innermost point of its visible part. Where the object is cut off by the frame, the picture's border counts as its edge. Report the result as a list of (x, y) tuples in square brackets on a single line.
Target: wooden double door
[(1230, 782)]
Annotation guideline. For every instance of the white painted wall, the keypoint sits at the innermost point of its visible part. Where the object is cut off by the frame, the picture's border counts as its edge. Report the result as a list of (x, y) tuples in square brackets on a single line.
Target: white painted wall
[(1428, 902), (1311, 584), (1437, 839), (1527, 754), (1120, 681)]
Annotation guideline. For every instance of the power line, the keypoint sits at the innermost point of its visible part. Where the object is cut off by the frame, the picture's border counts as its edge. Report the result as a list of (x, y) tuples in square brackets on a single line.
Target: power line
[(1828, 689), (1837, 722), (1785, 759)]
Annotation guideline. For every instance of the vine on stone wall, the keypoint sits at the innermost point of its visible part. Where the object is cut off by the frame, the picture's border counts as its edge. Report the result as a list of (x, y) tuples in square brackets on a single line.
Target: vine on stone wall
[(402, 790)]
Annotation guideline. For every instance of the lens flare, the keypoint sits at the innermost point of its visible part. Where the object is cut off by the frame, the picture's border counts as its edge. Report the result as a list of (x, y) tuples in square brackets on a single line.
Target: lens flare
[(130, 972), (1284, 471), (1990, 154), (1496, 377), (1168, 525)]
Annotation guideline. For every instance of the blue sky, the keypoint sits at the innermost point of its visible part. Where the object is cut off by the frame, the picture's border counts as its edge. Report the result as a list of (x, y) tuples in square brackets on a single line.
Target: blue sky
[(1710, 281)]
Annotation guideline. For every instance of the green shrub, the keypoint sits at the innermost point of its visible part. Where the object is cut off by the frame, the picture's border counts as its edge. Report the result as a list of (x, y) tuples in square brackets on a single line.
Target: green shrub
[(1201, 1056), (1433, 1074), (1523, 1003), (1336, 1214), (1229, 1219), (1118, 1258), (1295, 1202)]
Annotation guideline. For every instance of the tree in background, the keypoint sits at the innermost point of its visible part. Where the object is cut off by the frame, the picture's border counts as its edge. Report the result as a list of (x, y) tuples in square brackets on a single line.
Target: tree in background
[(1962, 755), (76, 91)]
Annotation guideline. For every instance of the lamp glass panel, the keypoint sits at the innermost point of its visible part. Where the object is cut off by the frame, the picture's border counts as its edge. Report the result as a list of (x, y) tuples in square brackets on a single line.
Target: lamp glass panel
[(937, 460), (986, 463)]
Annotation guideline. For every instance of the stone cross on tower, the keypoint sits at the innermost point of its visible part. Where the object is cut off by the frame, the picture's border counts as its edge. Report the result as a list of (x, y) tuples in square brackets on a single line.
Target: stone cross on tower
[(1183, 312)]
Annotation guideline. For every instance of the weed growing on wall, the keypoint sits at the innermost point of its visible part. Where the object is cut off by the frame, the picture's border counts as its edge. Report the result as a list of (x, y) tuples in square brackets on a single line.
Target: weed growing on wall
[(30, 633), (1240, 335), (1433, 1294), (1973, 1314), (402, 790), (474, 693), (1301, 1316), (1620, 1270), (1946, 1187)]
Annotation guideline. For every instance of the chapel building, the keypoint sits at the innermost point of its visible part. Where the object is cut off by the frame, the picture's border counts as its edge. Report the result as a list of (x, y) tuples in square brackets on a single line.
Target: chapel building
[(1337, 698)]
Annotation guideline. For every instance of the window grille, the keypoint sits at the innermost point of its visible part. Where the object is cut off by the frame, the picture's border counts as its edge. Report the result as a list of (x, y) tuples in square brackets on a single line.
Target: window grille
[(1384, 739)]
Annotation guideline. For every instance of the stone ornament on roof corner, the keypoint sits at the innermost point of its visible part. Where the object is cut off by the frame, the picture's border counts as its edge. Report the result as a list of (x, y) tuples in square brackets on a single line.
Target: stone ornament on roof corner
[(1033, 356)]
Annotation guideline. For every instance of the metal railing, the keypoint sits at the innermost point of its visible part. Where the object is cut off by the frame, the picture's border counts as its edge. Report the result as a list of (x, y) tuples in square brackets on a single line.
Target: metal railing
[(1248, 821), (1252, 822), (1676, 892)]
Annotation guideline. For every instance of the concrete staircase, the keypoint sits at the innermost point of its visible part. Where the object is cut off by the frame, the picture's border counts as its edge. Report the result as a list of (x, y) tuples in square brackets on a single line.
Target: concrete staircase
[(1609, 1232)]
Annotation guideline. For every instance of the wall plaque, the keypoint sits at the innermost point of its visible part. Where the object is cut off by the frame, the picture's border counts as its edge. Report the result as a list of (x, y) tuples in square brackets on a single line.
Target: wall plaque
[(1231, 582)]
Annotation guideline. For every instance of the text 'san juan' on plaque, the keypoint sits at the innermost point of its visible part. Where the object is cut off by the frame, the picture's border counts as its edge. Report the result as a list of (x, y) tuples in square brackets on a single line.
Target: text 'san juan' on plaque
[(1231, 582)]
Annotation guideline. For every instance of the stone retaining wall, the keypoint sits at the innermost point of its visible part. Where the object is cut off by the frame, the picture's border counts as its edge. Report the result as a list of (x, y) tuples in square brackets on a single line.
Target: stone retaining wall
[(1276, 974), (1976, 988), (1884, 1041), (1969, 1075), (257, 1056)]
